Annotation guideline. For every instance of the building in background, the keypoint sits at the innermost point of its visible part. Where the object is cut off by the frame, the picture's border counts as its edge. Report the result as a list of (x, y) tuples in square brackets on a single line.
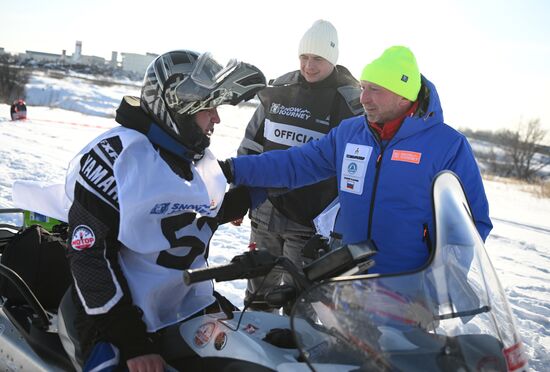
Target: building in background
[(81, 59), (77, 52), (138, 63), (114, 59), (131, 64), (91, 61), (40, 57)]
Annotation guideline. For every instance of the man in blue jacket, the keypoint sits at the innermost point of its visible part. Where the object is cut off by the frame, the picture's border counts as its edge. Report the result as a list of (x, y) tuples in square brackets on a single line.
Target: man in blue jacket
[(385, 162)]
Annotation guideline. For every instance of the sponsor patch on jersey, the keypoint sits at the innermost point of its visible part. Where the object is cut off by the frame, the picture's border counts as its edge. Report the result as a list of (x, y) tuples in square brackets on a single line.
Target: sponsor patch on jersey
[(406, 156), (176, 208), (289, 135), (111, 148), (293, 112), (98, 174), (354, 167), (83, 238), (160, 208)]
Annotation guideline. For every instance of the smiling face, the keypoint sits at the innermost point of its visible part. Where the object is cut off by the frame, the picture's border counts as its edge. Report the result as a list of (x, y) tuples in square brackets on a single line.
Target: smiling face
[(382, 105), (314, 68), (206, 119)]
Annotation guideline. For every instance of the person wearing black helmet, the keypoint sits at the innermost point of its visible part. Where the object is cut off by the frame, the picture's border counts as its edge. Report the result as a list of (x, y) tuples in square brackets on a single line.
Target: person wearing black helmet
[(146, 198)]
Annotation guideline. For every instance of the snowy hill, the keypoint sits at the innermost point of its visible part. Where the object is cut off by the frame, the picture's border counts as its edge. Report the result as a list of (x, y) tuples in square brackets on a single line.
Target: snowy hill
[(40, 148), (76, 93)]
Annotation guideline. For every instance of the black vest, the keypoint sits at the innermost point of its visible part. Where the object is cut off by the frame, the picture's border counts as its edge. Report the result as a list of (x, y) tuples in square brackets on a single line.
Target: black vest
[(295, 115), (297, 112)]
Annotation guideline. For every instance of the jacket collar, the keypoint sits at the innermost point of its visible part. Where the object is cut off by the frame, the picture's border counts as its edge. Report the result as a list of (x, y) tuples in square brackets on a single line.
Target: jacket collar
[(339, 77), (387, 130), (130, 115), (428, 114)]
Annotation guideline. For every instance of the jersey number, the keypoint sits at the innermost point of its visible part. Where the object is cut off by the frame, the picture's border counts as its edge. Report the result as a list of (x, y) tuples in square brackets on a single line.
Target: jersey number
[(173, 229)]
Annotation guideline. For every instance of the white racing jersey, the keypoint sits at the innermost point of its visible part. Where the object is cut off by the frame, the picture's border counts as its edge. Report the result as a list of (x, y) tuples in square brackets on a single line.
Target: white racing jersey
[(165, 225)]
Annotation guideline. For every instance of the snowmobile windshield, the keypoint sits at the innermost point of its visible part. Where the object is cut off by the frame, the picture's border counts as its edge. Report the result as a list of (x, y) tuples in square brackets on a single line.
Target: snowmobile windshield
[(451, 315)]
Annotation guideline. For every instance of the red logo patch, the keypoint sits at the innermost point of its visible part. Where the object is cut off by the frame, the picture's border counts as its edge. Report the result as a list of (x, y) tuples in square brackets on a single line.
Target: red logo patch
[(406, 156), (83, 238), (515, 357)]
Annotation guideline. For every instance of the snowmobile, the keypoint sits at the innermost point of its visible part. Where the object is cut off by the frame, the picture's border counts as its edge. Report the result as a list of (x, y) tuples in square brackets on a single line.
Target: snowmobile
[(450, 315)]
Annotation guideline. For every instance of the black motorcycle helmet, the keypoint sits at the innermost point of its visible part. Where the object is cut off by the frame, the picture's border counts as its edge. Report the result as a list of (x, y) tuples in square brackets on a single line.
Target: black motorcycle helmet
[(180, 83)]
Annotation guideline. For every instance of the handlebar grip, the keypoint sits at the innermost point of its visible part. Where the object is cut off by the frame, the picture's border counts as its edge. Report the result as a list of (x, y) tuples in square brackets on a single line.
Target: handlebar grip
[(245, 266), (219, 273)]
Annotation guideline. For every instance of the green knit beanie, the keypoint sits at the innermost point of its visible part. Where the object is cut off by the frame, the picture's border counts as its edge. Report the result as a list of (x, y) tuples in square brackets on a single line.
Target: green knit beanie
[(395, 70)]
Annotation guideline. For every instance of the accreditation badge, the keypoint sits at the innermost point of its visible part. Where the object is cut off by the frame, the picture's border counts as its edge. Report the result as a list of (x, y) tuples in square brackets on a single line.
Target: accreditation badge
[(354, 167)]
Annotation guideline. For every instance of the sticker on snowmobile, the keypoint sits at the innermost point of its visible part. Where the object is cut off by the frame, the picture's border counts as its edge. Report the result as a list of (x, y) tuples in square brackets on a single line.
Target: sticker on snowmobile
[(83, 238), (250, 328), (515, 357), (204, 333), (220, 341)]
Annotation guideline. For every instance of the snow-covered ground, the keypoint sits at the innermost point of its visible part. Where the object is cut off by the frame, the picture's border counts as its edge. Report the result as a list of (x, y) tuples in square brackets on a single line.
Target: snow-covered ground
[(40, 148), (76, 93)]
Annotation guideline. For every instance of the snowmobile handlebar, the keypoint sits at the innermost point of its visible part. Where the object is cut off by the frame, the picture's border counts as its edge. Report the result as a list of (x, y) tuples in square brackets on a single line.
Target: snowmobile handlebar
[(248, 265), (256, 263)]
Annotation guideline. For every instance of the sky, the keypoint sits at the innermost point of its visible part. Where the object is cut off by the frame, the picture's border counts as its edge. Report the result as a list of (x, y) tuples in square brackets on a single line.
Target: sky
[(488, 59), (40, 148)]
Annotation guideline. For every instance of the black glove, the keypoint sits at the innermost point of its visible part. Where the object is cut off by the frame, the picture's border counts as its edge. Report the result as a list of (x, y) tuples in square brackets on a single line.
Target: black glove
[(227, 169), (315, 247)]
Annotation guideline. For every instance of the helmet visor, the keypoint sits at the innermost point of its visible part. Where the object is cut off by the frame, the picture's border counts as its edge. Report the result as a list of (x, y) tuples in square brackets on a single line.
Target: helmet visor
[(194, 91), (210, 85), (208, 73)]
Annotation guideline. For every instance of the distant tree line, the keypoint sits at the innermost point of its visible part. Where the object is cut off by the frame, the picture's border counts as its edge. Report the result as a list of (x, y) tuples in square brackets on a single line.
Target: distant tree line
[(515, 153), (13, 79)]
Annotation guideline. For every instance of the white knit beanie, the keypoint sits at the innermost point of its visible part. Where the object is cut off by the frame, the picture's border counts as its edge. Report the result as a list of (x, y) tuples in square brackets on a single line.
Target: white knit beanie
[(322, 40)]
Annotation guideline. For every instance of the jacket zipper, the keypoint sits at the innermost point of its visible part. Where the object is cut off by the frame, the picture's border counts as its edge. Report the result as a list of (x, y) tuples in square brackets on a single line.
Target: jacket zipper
[(378, 166), (426, 237), (374, 187)]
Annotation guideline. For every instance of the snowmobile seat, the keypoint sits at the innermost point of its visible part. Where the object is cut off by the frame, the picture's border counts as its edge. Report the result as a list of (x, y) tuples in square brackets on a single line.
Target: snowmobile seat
[(66, 316), (38, 257)]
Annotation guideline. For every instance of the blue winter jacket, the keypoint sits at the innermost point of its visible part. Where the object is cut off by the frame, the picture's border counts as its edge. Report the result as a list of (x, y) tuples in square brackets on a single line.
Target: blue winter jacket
[(384, 190)]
